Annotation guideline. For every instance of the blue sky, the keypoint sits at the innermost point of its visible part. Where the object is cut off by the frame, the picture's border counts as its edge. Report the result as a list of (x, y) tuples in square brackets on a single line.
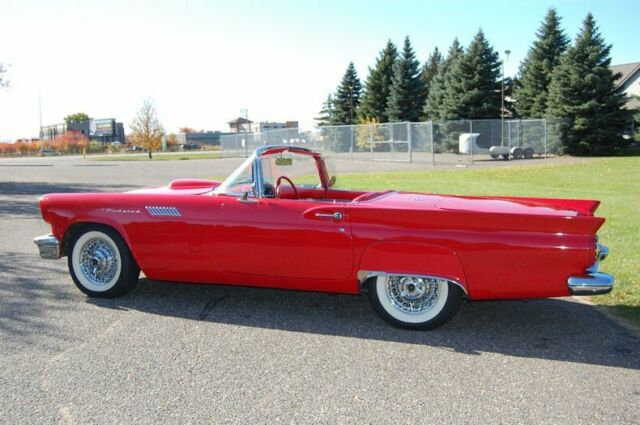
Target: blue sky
[(203, 61)]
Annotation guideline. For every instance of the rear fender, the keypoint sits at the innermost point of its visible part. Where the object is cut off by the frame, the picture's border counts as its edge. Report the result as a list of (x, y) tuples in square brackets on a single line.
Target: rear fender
[(415, 259)]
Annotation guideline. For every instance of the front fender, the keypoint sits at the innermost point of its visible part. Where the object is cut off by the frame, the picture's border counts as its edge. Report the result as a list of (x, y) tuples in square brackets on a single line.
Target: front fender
[(412, 259)]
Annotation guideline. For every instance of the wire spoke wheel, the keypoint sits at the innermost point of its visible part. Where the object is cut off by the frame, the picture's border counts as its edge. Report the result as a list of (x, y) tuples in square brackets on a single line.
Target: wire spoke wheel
[(414, 302)]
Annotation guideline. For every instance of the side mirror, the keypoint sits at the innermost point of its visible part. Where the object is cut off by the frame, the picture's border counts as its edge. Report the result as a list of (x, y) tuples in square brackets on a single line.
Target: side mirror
[(332, 181)]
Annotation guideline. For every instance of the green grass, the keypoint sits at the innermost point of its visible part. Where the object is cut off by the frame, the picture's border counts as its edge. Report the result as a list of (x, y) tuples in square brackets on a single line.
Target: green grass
[(614, 181), (169, 156)]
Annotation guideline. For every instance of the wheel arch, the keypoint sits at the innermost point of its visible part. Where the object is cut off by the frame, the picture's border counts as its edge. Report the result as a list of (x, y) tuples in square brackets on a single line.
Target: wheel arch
[(411, 259), (74, 228)]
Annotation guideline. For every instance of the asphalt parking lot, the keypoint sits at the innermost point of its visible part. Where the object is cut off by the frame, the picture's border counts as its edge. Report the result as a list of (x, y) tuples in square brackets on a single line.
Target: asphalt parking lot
[(176, 353)]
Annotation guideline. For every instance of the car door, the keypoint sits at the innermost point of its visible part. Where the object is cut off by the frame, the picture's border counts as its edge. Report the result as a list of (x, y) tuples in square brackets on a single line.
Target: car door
[(285, 238)]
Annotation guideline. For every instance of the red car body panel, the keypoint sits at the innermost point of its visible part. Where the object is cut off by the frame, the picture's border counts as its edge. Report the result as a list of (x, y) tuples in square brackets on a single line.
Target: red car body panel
[(493, 247)]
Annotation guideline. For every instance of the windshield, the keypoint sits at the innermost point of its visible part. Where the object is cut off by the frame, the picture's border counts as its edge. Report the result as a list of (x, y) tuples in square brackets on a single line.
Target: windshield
[(240, 181), (301, 169)]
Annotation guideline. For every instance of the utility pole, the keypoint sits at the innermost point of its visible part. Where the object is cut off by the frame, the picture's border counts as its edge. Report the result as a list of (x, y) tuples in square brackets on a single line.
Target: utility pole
[(506, 52)]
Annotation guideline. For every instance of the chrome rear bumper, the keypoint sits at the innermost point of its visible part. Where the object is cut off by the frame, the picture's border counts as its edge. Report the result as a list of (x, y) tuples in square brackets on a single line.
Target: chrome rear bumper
[(49, 246), (593, 282)]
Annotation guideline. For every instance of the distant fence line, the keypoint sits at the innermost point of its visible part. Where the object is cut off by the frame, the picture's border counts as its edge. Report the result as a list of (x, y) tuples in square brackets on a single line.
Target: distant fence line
[(435, 142)]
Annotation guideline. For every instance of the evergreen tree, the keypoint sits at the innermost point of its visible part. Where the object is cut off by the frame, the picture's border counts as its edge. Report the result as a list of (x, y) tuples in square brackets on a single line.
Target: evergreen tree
[(536, 69), (583, 93), (435, 97), (430, 69), (347, 98), (378, 86), (472, 87), (407, 96), (326, 113)]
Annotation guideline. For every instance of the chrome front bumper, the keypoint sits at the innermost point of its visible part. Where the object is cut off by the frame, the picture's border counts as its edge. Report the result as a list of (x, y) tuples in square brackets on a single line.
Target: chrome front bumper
[(593, 282), (49, 246)]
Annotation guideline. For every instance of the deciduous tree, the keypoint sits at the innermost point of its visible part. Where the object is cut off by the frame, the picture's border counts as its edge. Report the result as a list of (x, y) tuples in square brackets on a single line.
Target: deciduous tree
[(77, 117), (146, 130)]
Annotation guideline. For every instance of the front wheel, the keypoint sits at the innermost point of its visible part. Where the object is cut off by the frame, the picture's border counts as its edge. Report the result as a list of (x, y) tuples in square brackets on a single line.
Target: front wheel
[(101, 264), (409, 302)]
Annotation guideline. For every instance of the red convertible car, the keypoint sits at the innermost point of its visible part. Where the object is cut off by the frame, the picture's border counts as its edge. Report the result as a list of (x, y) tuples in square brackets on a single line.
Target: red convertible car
[(280, 222)]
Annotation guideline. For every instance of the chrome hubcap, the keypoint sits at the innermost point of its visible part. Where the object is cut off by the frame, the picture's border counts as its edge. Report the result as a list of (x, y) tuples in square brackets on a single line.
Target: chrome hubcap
[(413, 294), (98, 261)]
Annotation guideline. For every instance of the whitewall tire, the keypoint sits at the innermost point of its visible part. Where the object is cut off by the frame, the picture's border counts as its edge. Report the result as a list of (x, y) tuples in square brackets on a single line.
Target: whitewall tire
[(101, 264), (412, 302)]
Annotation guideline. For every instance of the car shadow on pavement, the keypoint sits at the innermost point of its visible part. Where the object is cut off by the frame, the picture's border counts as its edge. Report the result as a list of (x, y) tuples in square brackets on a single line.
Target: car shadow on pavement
[(555, 329)]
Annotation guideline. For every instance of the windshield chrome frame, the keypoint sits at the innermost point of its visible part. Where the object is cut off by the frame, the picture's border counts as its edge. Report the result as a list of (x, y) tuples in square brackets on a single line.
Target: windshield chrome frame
[(256, 168)]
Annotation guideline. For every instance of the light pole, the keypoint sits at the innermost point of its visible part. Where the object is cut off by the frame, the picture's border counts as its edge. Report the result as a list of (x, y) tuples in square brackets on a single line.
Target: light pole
[(506, 52)]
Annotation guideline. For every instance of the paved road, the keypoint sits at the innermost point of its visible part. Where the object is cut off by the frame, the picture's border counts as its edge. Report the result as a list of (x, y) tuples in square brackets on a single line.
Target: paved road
[(178, 353)]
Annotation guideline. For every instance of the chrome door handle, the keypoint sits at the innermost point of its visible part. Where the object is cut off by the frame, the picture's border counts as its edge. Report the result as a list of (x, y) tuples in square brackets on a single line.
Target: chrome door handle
[(336, 215)]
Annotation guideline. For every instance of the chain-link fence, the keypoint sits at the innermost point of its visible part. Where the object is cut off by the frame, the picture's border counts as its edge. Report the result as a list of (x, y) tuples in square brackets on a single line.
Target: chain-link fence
[(434, 142)]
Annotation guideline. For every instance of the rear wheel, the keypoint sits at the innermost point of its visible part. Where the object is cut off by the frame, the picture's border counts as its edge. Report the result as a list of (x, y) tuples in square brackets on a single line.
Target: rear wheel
[(494, 156), (528, 153), (409, 302), (101, 264), (517, 153)]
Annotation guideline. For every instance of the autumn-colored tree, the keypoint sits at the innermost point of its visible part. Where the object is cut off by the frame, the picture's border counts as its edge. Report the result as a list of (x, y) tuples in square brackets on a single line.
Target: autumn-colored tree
[(187, 130), (146, 130), (172, 141)]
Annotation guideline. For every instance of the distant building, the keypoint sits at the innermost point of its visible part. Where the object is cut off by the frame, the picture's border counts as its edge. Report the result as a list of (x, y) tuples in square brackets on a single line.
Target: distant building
[(99, 130), (240, 125), (243, 125), (260, 127), (203, 138), (630, 82)]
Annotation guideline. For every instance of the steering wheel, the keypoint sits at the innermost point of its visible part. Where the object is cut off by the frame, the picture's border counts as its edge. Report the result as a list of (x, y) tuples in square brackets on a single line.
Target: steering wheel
[(293, 186)]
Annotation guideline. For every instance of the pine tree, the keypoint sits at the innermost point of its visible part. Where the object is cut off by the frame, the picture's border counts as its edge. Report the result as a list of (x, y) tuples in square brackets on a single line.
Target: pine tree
[(430, 69), (378, 86), (535, 71), (435, 97), (583, 93), (407, 96), (326, 113), (347, 98), (472, 87)]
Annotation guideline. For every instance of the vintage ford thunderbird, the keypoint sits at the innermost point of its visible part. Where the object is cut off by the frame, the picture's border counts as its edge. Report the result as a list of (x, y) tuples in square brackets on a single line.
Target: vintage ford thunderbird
[(280, 222)]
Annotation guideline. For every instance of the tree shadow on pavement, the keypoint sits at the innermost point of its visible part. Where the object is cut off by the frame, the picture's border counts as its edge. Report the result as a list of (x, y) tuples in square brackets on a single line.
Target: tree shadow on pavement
[(554, 329), (28, 297)]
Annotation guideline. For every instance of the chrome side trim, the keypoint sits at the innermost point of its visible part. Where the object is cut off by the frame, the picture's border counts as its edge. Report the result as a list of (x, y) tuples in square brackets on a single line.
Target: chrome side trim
[(49, 246), (363, 275), (591, 284)]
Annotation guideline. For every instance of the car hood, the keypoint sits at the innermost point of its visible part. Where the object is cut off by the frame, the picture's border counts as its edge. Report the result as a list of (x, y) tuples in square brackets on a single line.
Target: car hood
[(181, 187), (482, 204)]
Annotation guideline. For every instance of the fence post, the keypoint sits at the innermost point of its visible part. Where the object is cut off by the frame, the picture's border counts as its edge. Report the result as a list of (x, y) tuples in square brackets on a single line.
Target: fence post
[(391, 141), (545, 138), (371, 139), (351, 149), (471, 136), (409, 140), (433, 151)]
